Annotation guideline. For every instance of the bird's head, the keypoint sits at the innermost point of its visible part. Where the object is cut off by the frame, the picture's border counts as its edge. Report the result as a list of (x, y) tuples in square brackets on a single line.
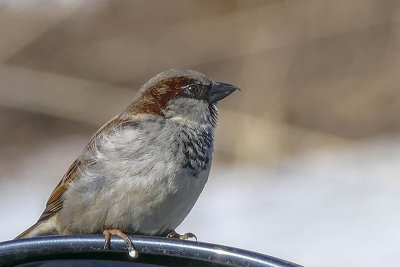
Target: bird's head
[(181, 94)]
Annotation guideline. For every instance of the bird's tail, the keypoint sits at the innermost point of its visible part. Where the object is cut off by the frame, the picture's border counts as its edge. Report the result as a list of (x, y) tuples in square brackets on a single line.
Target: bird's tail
[(40, 228)]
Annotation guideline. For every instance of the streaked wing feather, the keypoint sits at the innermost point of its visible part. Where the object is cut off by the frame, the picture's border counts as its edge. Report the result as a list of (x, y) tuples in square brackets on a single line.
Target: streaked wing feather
[(54, 204)]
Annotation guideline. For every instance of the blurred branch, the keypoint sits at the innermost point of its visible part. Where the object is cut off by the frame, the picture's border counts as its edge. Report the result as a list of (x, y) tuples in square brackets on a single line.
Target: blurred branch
[(61, 96), (21, 22)]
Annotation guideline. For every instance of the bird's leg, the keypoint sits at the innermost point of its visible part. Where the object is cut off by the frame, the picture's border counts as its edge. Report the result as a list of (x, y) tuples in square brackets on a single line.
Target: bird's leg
[(185, 236), (107, 237), (109, 232)]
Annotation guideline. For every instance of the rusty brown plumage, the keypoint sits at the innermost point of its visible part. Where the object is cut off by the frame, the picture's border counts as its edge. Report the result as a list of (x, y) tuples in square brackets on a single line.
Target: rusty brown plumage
[(154, 100)]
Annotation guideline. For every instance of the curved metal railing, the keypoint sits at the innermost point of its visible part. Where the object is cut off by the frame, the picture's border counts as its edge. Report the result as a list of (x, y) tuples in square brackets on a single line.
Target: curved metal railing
[(155, 250)]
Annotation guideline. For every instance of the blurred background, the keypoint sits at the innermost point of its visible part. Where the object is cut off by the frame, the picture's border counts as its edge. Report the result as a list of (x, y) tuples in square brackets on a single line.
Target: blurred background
[(307, 155)]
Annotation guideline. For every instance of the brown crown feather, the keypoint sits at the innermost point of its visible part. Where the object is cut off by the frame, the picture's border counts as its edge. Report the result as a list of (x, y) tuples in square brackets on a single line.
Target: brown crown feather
[(154, 99)]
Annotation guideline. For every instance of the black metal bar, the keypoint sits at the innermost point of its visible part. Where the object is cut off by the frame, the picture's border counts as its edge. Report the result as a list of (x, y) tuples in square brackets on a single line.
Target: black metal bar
[(91, 246)]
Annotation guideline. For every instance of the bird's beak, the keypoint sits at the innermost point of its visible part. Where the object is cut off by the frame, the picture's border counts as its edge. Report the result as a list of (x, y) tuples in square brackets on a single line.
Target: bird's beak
[(220, 90)]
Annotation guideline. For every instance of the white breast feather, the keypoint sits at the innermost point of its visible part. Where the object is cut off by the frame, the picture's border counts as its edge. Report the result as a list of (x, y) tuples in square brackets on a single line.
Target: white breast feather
[(137, 184)]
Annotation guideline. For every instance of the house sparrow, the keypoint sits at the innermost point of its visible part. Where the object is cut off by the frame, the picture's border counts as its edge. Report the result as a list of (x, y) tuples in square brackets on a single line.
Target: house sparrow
[(142, 172)]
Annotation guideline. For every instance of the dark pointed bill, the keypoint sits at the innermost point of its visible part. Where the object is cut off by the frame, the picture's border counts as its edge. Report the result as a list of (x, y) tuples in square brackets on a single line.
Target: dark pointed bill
[(220, 90)]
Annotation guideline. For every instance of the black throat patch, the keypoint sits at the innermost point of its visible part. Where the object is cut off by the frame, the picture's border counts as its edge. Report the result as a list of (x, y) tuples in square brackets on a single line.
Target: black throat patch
[(197, 149)]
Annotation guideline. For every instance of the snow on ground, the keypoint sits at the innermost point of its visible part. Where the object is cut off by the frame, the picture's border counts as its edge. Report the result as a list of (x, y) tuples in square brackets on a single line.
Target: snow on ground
[(336, 207)]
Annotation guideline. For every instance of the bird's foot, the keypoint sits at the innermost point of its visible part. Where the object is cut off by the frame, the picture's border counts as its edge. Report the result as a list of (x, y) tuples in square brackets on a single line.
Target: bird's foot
[(185, 236), (109, 232)]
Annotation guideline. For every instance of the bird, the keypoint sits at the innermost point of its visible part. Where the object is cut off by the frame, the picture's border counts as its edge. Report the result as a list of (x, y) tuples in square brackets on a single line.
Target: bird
[(142, 172)]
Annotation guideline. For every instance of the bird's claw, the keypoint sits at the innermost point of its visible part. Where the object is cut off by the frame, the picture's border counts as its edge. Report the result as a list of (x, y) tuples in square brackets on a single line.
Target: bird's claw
[(109, 232), (185, 236)]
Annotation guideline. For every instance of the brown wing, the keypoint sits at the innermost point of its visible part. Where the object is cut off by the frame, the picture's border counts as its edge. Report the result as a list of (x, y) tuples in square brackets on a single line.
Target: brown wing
[(54, 204)]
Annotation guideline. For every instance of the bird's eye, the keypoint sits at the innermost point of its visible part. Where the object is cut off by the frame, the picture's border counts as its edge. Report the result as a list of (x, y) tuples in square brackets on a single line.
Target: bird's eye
[(193, 89)]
